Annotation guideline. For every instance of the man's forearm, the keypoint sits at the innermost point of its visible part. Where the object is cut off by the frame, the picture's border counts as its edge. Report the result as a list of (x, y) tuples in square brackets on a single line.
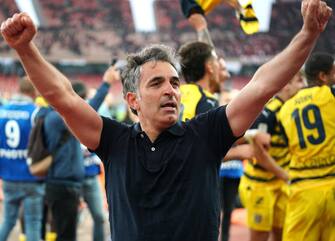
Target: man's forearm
[(267, 162), (204, 36), (232, 154), (267, 81), (270, 165), (51, 84), (199, 23), (239, 152), (276, 73)]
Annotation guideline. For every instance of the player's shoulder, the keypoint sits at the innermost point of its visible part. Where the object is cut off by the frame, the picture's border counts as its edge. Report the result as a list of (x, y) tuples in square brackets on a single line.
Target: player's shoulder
[(189, 88), (274, 105)]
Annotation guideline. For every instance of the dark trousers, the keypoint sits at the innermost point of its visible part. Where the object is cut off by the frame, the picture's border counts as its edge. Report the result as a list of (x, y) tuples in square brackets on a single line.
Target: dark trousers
[(63, 200), (229, 189)]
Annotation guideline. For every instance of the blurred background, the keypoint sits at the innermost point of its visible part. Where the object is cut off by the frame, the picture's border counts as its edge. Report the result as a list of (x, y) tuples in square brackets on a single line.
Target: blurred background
[(81, 37)]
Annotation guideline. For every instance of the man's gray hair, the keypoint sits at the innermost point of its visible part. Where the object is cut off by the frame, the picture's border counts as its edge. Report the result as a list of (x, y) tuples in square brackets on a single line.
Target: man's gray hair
[(131, 74)]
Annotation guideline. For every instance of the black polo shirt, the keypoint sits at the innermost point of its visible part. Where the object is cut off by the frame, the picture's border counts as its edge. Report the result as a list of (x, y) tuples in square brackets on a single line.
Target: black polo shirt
[(166, 190)]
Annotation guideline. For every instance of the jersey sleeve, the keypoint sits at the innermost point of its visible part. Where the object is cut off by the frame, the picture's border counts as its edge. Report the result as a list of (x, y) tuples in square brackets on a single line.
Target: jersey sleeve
[(206, 105), (265, 121)]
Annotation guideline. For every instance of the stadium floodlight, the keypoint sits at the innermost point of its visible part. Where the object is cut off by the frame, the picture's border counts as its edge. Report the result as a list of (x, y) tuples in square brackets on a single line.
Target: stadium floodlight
[(28, 6), (143, 15)]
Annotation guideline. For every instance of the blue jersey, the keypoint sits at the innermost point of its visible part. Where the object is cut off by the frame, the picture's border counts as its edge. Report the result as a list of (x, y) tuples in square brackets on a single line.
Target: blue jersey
[(91, 162), (16, 120)]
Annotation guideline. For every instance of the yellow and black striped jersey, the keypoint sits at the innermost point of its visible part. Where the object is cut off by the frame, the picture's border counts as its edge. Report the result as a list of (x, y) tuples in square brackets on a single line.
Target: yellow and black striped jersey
[(195, 100), (246, 15), (278, 150), (309, 123)]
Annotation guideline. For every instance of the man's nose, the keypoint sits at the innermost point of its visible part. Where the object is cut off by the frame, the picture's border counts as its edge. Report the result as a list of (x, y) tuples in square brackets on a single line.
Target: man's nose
[(169, 90)]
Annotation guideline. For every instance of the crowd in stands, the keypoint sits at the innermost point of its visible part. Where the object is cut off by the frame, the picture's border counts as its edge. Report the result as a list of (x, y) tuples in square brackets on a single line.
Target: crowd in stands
[(97, 29)]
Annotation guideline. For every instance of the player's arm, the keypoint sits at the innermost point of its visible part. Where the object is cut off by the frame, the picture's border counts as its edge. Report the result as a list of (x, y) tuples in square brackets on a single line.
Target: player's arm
[(266, 161), (110, 77), (239, 152), (199, 23), (273, 76), (83, 121)]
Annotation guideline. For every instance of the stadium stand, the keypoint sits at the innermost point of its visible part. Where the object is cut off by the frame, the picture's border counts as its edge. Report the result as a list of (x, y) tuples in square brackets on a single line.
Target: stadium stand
[(94, 30)]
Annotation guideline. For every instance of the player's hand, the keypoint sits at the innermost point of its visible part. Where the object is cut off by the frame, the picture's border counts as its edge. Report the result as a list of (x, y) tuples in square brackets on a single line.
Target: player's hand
[(112, 76), (197, 21), (18, 31), (316, 14), (246, 151), (283, 175), (263, 139)]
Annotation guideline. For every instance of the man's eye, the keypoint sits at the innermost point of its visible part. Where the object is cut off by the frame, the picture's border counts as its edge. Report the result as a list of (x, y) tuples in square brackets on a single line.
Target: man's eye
[(175, 83)]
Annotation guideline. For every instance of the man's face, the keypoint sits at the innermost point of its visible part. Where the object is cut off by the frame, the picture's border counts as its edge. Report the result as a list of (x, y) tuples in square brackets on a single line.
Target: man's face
[(224, 73), (158, 97), (214, 79), (220, 74)]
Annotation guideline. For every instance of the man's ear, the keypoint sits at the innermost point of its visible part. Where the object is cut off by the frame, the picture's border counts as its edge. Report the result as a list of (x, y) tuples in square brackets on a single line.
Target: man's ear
[(284, 89), (323, 77), (209, 67), (132, 100)]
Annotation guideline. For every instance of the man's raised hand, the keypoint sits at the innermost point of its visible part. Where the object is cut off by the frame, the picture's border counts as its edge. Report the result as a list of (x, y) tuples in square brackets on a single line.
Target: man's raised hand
[(112, 75), (18, 31), (316, 14)]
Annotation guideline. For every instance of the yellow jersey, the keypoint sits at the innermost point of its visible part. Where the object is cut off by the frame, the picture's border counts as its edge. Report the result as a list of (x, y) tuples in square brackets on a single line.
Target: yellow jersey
[(309, 122), (195, 100), (278, 150)]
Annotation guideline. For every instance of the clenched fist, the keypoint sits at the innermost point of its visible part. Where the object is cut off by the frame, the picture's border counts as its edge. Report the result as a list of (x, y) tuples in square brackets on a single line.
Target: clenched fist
[(18, 31), (316, 14)]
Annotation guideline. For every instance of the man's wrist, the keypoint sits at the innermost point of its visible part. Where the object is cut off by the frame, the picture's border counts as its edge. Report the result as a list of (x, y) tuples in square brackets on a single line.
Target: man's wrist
[(26, 49), (309, 34)]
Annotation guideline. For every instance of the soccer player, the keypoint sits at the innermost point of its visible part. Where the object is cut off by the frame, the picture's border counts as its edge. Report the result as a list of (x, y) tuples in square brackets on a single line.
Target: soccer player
[(200, 68), (309, 124), (263, 192)]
